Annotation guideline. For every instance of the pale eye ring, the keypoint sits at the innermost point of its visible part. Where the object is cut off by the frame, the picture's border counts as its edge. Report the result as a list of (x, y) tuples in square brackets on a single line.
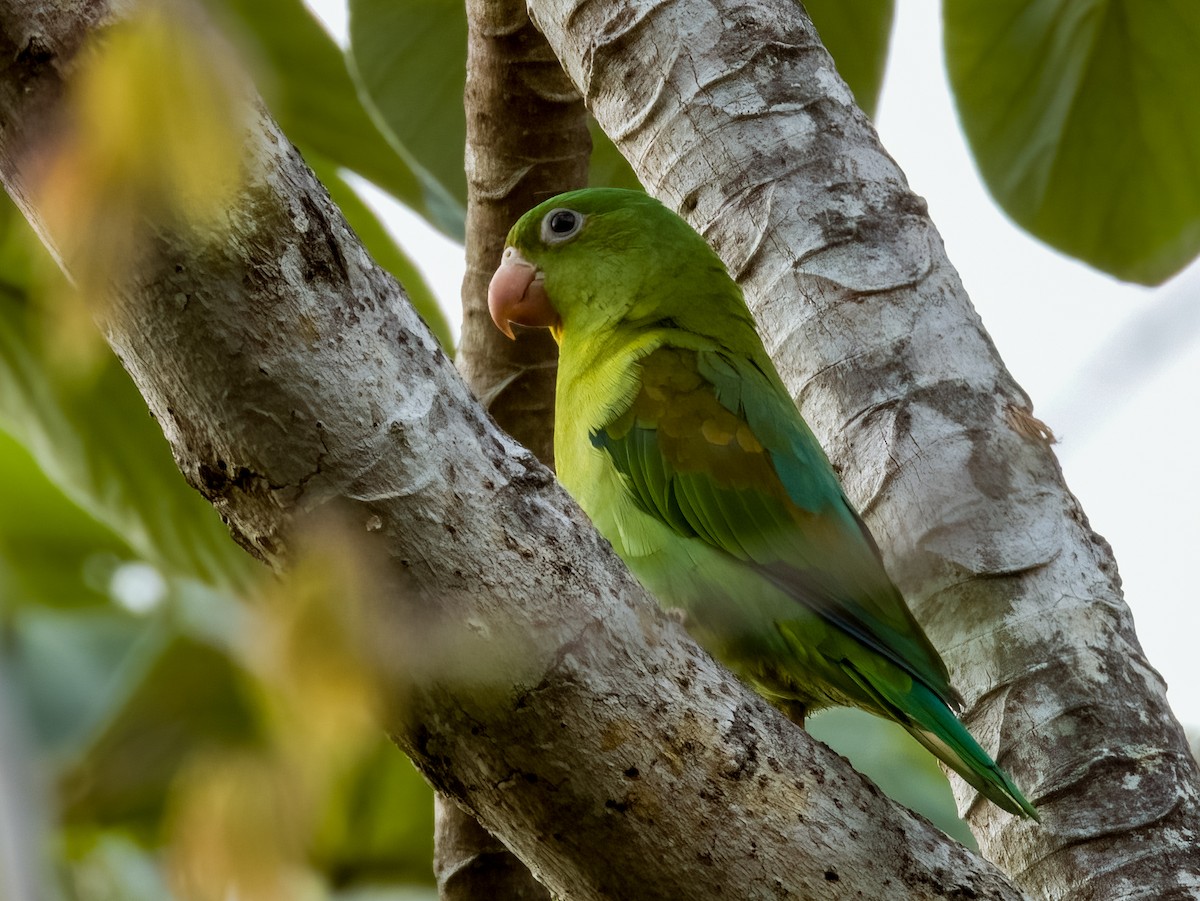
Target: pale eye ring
[(561, 224)]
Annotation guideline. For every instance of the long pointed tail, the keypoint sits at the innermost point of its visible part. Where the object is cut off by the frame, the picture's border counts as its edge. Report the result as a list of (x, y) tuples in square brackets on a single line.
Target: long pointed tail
[(931, 722), (935, 726)]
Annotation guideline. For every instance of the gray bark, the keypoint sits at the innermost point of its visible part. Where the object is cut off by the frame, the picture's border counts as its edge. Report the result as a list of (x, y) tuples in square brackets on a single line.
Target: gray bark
[(734, 113), (531, 678), (586, 732), (527, 138)]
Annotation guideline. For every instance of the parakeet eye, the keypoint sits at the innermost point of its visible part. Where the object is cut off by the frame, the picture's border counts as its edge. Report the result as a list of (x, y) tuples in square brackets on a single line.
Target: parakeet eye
[(561, 225)]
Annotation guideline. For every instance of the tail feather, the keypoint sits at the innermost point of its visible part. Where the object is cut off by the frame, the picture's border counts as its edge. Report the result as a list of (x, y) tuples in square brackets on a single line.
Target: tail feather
[(934, 725), (964, 755)]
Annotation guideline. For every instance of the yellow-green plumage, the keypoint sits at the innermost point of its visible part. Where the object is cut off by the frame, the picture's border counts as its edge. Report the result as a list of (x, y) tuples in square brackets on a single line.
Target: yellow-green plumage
[(677, 437)]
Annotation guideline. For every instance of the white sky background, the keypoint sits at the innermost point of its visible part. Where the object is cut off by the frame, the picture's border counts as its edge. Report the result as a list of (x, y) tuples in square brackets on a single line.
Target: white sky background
[(1113, 369)]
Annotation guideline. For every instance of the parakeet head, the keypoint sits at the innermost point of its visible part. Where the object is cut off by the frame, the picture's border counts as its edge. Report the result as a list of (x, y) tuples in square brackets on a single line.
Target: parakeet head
[(593, 258)]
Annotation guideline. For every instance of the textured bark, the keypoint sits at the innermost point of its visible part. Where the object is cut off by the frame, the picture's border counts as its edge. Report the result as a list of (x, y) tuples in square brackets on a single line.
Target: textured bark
[(471, 864), (733, 113), (527, 138), (532, 679)]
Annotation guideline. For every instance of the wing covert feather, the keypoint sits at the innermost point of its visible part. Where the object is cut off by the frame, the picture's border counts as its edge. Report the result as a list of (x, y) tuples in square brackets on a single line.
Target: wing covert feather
[(714, 449)]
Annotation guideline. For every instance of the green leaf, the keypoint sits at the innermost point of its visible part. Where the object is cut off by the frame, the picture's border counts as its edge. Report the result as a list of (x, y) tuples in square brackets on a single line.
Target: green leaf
[(893, 760), (67, 668), (308, 87), (856, 33), (378, 825), (178, 696), (48, 546), (1084, 118), (386, 252), (93, 437), (410, 61), (410, 58), (608, 169)]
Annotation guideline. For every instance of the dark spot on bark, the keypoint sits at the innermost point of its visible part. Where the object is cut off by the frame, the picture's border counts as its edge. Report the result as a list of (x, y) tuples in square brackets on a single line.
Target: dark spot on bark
[(705, 858), (913, 204), (632, 773), (831, 876), (35, 54), (743, 744), (618, 806), (213, 479), (243, 479), (331, 268), (689, 203)]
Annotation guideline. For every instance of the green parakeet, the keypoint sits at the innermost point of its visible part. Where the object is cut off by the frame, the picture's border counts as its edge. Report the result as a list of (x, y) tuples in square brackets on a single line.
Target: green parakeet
[(676, 435)]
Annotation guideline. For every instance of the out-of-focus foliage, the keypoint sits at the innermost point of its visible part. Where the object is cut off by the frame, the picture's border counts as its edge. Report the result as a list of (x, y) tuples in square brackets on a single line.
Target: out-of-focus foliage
[(856, 33), (200, 725), (410, 60), (89, 429), (304, 77), (150, 725), (132, 629), (1084, 118)]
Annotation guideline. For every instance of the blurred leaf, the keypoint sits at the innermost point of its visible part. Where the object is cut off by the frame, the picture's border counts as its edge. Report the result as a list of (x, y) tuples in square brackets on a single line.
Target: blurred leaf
[(608, 168), (95, 440), (152, 138), (1084, 119), (856, 33), (304, 76), (237, 828), (71, 669), (385, 251), (46, 541), (410, 61), (178, 697), (110, 866), (379, 824), (892, 759)]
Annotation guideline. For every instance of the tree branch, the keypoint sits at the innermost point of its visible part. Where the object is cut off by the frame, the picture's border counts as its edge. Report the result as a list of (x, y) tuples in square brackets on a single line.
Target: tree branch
[(583, 729), (733, 112)]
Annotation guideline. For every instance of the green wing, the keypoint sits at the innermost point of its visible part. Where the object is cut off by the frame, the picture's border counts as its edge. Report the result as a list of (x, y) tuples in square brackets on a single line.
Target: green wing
[(712, 446)]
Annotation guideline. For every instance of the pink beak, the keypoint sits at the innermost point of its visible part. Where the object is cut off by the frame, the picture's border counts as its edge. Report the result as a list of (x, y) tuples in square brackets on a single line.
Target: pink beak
[(517, 295)]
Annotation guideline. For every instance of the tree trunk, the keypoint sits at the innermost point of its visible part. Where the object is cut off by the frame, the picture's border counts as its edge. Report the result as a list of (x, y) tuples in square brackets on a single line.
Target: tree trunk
[(734, 114), (532, 679), (527, 138)]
